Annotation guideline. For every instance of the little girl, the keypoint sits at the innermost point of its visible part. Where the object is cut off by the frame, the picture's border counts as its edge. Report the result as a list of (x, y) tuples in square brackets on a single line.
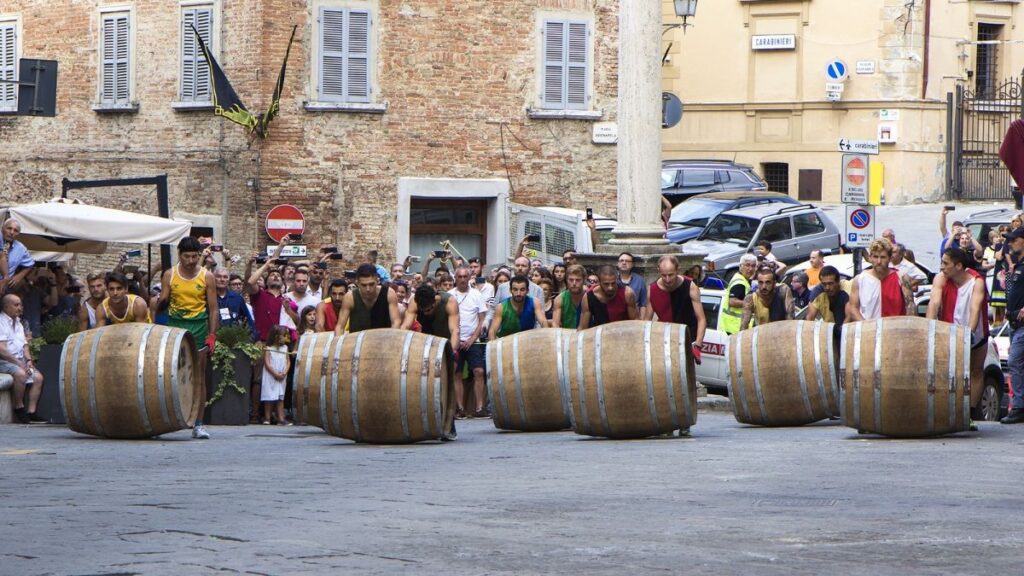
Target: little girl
[(275, 371), (307, 321)]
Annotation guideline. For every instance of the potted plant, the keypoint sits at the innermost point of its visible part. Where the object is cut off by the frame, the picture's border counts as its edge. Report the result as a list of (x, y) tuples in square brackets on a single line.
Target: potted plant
[(227, 401), (46, 351)]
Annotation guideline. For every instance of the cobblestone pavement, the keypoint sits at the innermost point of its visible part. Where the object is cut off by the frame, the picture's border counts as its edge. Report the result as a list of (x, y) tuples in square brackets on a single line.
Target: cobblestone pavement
[(731, 499)]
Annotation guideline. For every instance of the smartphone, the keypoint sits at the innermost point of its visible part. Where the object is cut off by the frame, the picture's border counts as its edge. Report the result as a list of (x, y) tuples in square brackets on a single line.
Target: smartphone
[(130, 269), (206, 241), (336, 256), (261, 259), (590, 213), (950, 208), (533, 238), (439, 253), (350, 274), (295, 237), (133, 254), (217, 248), (329, 249), (280, 261), (320, 265), (414, 258)]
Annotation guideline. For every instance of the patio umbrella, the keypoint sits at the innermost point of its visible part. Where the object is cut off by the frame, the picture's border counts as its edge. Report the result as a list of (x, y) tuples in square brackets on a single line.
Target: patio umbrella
[(69, 226)]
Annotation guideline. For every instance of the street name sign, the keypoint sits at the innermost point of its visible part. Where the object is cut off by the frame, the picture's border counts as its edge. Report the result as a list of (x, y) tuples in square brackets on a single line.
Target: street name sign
[(858, 146)]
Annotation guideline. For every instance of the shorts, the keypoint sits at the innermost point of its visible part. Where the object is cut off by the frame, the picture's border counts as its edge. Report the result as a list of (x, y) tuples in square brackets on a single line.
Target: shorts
[(474, 356), (198, 327), (9, 368)]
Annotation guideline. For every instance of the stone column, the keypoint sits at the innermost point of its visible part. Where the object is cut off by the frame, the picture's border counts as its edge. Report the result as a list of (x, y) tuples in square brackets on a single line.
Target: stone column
[(639, 119)]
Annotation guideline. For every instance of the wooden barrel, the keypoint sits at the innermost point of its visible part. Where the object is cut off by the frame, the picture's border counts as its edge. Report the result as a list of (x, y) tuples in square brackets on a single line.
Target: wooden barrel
[(631, 379), (129, 380), (783, 373), (382, 386), (905, 376), (313, 364), (526, 380)]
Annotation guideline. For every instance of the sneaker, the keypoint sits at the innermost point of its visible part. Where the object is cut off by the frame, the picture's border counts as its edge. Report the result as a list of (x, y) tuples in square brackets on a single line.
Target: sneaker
[(21, 416), (199, 432), (482, 413), (1014, 417), (451, 435), (34, 418), (684, 432)]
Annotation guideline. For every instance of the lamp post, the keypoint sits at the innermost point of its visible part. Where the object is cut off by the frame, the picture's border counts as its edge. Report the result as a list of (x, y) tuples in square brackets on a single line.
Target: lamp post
[(684, 9)]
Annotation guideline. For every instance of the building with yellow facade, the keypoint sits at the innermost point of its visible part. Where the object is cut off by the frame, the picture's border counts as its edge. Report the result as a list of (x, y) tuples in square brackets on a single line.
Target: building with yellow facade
[(754, 79)]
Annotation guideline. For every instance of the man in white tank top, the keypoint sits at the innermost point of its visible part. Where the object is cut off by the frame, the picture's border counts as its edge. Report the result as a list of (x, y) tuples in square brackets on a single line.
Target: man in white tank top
[(959, 297), (97, 292)]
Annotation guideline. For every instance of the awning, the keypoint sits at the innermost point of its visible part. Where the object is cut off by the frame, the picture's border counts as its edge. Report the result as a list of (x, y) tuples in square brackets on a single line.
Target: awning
[(70, 226)]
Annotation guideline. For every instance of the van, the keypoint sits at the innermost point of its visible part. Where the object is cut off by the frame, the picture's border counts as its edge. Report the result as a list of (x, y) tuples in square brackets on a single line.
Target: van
[(560, 229)]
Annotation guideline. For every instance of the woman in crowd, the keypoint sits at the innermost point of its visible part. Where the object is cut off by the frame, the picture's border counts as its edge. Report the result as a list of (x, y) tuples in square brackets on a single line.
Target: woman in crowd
[(558, 274), (547, 285)]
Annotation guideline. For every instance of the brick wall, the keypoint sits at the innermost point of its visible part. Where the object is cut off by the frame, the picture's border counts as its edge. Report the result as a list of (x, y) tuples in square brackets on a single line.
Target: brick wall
[(457, 77)]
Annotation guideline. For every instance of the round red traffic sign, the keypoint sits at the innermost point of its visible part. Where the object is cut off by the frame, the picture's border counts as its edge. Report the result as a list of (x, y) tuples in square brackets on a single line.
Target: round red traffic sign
[(284, 219), (860, 218), (856, 171)]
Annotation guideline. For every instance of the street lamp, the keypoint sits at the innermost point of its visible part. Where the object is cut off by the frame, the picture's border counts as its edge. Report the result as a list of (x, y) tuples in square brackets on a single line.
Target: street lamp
[(684, 9)]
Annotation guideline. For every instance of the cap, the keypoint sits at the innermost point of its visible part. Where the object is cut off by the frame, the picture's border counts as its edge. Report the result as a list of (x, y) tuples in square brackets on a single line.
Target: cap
[(1015, 233)]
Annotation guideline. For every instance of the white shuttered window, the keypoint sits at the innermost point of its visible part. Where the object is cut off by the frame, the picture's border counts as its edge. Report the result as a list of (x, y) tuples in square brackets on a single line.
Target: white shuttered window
[(115, 50), (344, 59), (8, 65), (566, 64), (195, 73)]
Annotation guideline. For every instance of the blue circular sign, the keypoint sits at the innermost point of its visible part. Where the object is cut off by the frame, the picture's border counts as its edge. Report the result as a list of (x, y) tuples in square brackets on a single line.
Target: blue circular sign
[(860, 218), (836, 70)]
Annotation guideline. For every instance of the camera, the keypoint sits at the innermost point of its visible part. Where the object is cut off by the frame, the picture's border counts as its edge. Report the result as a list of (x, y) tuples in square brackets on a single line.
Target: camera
[(533, 237), (295, 237), (280, 261), (320, 265), (217, 248), (590, 213), (350, 274), (439, 253), (329, 249)]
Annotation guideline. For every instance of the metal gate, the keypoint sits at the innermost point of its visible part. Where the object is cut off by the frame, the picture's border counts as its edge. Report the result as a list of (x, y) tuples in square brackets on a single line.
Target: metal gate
[(976, 124)]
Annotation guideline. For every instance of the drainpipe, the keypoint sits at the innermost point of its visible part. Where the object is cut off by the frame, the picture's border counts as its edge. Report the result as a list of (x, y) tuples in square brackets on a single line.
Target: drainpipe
[(927, 45)]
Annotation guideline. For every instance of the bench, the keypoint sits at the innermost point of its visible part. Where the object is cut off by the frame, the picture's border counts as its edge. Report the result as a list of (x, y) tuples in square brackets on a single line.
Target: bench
[(6, 399)]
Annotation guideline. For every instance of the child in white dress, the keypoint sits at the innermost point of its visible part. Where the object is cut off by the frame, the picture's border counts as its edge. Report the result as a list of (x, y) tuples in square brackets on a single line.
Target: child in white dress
[(275, 371)]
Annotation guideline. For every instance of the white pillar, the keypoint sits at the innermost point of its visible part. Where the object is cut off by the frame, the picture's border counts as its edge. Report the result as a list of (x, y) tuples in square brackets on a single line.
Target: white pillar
[(639, 118)]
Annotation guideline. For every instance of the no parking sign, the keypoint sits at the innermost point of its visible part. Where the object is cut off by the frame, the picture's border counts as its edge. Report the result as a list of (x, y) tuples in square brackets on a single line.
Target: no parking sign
[(860, 226)]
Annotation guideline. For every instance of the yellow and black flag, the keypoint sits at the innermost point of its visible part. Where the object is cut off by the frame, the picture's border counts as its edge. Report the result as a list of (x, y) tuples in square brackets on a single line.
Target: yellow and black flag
[(226, 102)]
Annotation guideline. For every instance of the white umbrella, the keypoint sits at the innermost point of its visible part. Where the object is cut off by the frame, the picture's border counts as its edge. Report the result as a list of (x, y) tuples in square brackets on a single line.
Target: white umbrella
[(70, 226)]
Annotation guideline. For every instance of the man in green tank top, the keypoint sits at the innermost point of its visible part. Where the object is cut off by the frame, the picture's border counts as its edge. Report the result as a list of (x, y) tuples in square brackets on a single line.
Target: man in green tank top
[(518, 312), (567, 304)]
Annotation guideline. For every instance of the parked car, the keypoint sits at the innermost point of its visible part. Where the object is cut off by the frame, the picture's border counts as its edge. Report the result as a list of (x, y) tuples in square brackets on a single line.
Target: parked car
[(793, 230), (981, 223), (681, 179), (689, 218), (712, 371)]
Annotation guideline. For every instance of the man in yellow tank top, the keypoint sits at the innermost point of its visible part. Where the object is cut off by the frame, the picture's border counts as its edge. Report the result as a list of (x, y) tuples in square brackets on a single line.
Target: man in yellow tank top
[(120, 307), (190, 293)]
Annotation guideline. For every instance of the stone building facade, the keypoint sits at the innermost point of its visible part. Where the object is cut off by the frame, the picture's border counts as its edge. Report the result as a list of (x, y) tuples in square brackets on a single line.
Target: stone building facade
[(402, 121), (753, 74)]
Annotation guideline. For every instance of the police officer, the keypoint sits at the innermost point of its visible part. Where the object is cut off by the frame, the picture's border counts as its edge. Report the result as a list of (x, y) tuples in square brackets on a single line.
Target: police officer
[(730, 314), (1015, 316)]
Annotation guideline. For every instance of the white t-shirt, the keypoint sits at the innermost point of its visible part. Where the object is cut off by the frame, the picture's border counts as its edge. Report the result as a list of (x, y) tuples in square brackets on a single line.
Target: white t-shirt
[(908, 269), (12, 335), (308, 299), (471, 305), (487, 290)]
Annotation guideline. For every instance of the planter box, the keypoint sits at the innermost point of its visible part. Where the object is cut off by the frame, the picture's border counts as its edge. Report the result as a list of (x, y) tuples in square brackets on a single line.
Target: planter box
[(49, 401), (233, 408)]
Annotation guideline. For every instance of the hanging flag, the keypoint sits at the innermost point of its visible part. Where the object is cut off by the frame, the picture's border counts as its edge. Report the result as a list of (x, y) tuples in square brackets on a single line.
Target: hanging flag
[(226, 102)]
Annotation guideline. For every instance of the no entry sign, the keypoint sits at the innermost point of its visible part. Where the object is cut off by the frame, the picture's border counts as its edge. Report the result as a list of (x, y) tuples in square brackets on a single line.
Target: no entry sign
[(855, 179), (284, 219)]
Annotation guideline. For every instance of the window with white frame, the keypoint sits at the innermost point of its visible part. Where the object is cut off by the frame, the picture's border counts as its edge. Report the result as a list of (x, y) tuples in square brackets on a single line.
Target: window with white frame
[(566, 60), (8, 65), (344, 59), (115, 52), (195, 73)]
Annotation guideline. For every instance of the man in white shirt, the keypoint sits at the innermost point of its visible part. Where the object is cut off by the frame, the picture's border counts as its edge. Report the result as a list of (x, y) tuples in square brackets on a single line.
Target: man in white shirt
[(472, 310), (476, 269), (907, 267), (300, 295), (16, 360)]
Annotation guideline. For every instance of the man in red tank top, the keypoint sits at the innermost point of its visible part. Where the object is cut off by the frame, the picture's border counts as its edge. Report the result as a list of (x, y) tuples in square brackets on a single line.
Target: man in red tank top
[(328, 310), (608, 302), (880, 291)]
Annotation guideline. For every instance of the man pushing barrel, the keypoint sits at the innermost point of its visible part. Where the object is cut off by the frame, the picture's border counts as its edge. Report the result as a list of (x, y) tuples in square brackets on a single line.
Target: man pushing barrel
[(771, 302), (190, 294)]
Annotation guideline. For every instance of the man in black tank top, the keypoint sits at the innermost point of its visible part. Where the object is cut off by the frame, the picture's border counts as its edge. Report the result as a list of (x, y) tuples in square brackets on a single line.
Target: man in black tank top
[(370, 305), (437, 314)]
